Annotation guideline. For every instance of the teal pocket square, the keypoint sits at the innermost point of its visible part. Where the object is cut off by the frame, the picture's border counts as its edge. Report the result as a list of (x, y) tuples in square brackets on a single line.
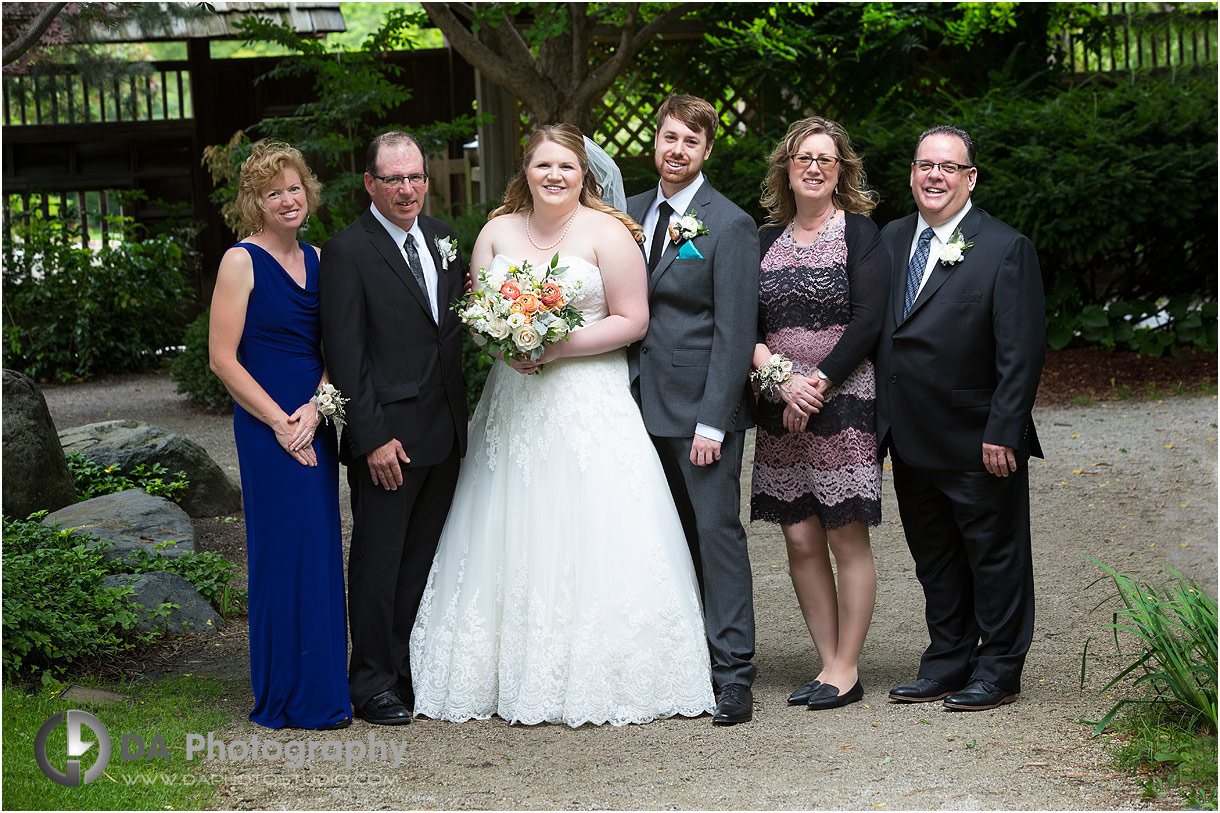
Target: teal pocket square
[(689, 252)]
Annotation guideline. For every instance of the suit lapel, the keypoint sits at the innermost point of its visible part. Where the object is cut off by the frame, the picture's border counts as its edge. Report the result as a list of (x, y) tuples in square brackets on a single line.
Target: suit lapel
[(940, 272), (392, 254), (700, 203), (442, 276), (902, 262)]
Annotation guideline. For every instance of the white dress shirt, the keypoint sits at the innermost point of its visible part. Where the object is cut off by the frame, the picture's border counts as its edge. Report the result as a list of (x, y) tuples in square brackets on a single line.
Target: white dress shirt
[(940, 238), (421, 247), (681, 204)]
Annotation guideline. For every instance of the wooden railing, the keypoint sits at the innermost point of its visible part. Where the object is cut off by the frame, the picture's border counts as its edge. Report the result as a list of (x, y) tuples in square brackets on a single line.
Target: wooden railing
[(1146, 36), (64, 95)]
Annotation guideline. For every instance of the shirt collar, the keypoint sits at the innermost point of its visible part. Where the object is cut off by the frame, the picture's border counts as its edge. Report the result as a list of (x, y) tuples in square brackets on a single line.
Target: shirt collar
[(681, 201), (944, 232), (396, 232)]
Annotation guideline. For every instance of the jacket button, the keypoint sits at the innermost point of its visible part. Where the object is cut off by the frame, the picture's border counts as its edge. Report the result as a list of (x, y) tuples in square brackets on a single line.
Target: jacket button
[(644, 351), (898, 342), (893, 379)]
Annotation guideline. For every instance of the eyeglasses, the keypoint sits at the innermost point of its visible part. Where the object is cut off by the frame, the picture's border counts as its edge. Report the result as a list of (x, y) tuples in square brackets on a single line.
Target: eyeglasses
[(394, 181), (947, 167), (824, 161)]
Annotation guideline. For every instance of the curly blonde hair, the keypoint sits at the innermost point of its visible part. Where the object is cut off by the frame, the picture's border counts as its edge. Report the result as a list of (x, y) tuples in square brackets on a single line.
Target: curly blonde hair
[(517, 197), (850, 194), (266, 163)]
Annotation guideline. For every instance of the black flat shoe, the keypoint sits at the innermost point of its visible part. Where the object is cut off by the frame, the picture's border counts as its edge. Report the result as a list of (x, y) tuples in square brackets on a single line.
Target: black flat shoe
[(923, 690), (979, 696), (736, 705), (828, 697), (338, 725), (801, 696)]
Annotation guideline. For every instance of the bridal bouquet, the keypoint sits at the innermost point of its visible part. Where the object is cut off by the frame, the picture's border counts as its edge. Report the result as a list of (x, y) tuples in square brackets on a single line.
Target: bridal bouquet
[(522, 311)]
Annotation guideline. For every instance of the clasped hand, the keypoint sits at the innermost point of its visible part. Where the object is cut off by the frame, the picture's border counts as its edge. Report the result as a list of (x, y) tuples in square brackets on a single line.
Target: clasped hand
[(295, 435), (802, 397)]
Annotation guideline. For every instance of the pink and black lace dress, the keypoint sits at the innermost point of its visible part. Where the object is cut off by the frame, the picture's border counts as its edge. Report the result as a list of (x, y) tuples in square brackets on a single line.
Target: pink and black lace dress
[(820, 305)]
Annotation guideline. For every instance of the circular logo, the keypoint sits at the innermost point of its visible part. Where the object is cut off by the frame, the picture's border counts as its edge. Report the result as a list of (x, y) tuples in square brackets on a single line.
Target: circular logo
[(77, 747)]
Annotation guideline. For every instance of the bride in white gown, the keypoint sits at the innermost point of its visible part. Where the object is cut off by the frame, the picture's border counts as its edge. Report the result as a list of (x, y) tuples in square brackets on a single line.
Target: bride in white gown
[(562, 588)]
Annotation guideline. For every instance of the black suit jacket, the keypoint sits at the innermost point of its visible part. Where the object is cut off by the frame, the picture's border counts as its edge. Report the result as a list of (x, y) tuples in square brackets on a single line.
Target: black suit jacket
[(963, 367), (401, 370)]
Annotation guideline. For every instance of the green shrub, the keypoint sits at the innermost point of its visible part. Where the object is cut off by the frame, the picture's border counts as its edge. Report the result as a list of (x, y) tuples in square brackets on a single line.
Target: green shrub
[(192, 371), (73, 312), (55, 608), (93, 480), (1114, 184), (1174, 637), (56, 611)]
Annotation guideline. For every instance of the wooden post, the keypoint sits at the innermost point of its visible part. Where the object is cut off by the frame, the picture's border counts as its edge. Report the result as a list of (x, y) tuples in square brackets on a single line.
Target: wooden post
[(498, 140)]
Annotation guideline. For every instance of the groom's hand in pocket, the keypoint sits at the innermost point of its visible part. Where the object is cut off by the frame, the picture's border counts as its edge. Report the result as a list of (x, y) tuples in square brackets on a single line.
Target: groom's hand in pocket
[(384, 465), (704, 451)]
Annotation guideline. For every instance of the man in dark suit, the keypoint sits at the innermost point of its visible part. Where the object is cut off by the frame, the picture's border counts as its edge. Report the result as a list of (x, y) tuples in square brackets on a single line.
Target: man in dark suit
[(690, 376), (394, 347), (958, 364)]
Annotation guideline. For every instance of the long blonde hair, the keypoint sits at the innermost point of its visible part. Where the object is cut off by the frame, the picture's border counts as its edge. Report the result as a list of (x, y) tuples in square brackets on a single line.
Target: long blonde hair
[(517, 197), (850, 193)]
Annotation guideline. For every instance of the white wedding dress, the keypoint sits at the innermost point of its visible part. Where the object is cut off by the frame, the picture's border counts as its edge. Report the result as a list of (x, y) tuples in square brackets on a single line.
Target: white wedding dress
[(562, 588)]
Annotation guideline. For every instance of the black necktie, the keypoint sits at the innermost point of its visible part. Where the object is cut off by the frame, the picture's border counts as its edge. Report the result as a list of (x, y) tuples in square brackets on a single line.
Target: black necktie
[(417, 268), (660, 235)]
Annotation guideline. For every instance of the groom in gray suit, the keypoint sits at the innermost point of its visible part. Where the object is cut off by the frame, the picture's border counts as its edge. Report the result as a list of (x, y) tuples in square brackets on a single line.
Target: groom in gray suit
[(690, 375)]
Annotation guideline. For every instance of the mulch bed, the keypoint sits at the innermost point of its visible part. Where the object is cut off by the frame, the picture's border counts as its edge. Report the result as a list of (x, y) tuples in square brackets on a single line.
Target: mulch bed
[(1076, 375)]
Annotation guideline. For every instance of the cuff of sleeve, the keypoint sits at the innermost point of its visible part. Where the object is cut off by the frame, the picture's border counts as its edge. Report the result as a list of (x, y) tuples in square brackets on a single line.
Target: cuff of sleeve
[(710, 432)]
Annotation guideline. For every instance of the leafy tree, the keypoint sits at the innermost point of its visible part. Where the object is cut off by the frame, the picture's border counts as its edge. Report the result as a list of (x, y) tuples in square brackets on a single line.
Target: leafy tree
[(356, 92), (544, 53)]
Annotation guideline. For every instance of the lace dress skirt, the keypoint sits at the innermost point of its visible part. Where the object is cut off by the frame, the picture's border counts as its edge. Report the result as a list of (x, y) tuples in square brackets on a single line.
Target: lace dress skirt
[(831, 469)]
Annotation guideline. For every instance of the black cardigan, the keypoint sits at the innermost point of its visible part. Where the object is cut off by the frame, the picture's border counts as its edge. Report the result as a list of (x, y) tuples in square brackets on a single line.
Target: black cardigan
[(868, 285)]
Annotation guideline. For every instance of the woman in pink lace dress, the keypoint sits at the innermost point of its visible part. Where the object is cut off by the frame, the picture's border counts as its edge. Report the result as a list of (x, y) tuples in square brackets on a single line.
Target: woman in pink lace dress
[(822, 285)]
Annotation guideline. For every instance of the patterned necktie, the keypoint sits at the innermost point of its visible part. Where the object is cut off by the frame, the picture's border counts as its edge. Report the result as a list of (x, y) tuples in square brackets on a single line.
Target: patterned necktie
[(919, 261), (417, 268), (660, 235)]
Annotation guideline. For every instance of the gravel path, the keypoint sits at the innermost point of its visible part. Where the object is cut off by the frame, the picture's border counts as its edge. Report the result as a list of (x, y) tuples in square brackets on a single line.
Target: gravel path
[(1131, 483)]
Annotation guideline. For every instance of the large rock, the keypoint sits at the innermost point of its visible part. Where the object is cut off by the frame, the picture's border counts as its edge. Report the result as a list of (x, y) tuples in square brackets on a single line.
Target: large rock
[(35, 473), (130, 520), (152, 590), (127, 444)]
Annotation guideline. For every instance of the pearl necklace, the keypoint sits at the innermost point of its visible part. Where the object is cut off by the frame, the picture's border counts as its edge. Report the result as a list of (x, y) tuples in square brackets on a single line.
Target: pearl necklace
[(530, 237)]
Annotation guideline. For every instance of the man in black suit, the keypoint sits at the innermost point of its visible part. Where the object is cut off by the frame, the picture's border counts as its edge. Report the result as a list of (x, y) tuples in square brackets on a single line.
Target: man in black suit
[(958, 364), (394, 347)]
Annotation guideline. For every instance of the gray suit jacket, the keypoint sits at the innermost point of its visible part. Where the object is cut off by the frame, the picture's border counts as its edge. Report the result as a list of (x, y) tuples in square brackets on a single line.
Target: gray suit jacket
[(693, 365)]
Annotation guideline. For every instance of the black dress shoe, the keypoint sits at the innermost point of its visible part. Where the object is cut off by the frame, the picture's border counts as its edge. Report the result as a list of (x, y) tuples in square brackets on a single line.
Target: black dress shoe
[(924, 690), (801, 696), (828, 697), (384, 709), (736, 705), (979, 695)]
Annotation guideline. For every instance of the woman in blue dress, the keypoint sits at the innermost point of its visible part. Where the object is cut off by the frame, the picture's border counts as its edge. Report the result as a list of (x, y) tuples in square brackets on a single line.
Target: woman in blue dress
[(265, 346)]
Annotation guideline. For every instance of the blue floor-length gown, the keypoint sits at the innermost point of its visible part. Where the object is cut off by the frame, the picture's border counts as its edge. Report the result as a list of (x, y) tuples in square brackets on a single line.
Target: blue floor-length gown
[(298, 623)]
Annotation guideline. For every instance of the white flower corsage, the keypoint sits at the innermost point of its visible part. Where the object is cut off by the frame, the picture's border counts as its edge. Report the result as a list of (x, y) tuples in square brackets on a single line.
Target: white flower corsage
[(955, 249), (330, 403), (687, 227), (774, 374), (447, 248)]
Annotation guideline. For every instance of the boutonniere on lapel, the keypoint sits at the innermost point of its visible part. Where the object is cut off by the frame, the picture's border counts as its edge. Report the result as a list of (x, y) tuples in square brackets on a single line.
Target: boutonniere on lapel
[(447, 248), (955, 249), (685, 229)]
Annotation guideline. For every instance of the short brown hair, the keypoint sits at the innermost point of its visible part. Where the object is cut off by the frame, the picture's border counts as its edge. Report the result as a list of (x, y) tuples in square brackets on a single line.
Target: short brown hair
[(850, 194), (392, 138), (268, 160), (697, 114)]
